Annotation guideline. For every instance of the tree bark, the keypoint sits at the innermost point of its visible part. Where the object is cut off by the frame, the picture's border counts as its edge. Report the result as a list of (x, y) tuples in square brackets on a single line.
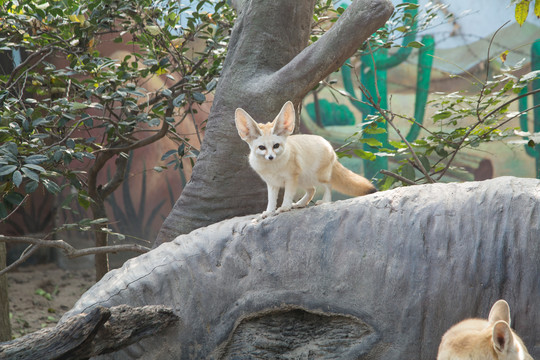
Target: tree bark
[(83, 336), (267, 64), (5, 325), (101, 260)]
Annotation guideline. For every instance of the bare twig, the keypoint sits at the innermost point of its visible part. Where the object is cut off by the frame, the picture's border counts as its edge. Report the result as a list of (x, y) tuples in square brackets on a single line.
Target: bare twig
[(30, 58), (68, 250), (24, 256), (16, 208), (483, 89)]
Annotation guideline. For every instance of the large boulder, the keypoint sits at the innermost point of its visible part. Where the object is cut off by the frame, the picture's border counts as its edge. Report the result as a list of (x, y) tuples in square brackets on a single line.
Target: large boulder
[(375, 277)]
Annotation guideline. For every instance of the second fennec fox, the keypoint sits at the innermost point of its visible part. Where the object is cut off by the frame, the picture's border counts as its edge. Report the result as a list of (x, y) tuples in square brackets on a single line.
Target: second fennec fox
[(478, 339), (295, 161)]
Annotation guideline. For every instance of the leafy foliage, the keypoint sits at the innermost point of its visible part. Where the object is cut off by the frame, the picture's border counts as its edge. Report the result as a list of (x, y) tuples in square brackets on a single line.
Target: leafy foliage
[(67, 110), (465, 120), (90, 107)]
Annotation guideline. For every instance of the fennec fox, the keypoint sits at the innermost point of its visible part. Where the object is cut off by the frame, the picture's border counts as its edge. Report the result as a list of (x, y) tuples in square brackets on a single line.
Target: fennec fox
[(478, 339), (295, 161)]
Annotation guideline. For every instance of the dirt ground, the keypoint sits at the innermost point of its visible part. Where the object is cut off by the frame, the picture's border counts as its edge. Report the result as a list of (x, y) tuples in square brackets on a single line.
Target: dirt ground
[(39, 295)]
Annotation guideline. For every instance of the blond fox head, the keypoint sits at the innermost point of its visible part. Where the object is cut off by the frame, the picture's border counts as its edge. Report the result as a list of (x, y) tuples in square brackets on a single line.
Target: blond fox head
[(266, 140), (477, 339)]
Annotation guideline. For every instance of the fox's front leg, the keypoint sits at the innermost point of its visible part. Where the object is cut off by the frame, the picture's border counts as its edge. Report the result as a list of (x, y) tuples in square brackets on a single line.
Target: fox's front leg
[(273, 192), (290, 191)]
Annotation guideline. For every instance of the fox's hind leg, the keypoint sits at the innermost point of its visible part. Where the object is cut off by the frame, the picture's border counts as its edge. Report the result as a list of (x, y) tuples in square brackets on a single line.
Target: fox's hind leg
[(327, 197), (305, 199), (325, 177)]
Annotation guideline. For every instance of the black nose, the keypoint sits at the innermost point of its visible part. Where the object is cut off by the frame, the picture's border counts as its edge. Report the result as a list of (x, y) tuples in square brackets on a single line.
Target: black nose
[(270, 157)]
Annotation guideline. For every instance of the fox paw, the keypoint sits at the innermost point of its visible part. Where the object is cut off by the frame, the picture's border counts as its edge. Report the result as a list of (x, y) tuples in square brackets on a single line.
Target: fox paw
[(319, 202), (266, 214), (298, 206), (283, 209)]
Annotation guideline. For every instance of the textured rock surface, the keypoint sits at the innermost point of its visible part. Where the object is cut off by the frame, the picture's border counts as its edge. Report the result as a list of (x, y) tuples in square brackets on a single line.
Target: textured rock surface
[(377, 277)]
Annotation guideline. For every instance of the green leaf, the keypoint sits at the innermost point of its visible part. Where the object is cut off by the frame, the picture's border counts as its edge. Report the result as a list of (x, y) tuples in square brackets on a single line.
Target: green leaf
[(30, 174), (408, 172), (166, 92), (181, 149), (441, 115), (168, 153), (31, 187), (51, 186), (365, 154), (83, 200), (371, 142), (7, 169), (3, 211), (199, 97), (178, 100), (374, 130), (522, 10), (425, 162), (397, 144), (415, 44), (17, 178), (211, 85), (35, 159), (78, 106), (40, 121)]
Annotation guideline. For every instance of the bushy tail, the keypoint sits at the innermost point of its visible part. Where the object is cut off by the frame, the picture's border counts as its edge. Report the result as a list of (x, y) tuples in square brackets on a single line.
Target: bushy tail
[(349, 183)]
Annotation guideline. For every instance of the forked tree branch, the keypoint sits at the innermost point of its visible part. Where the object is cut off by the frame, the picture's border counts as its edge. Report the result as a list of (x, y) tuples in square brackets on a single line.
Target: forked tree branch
[(361, 19), (68, 250)]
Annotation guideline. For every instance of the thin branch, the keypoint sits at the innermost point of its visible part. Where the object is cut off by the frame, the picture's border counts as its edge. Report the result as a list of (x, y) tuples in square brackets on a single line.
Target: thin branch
[(483, 89), (24, 256), (68, 250), (396, 176), (118, 177), (509, 102), (374, 69), (16, 208), (480, 121), (388, 119), (195, 122), (26, 62)]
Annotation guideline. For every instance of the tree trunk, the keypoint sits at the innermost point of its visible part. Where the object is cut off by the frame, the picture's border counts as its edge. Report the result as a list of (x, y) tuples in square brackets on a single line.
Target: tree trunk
[(101, 261), (5, 325), (86, 335), (267, 64)]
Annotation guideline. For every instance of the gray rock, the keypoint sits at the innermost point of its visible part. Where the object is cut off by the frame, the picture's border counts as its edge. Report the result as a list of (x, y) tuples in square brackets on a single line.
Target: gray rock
[(376, 277)]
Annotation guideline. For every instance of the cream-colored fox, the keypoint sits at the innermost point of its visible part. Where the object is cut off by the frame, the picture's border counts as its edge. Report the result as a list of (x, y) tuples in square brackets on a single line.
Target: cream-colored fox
[(295, 161), (478, 339)]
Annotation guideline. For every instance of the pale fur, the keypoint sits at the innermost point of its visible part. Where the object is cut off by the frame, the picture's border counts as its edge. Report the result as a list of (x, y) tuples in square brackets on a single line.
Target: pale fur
[(478, 339), (299, 161)]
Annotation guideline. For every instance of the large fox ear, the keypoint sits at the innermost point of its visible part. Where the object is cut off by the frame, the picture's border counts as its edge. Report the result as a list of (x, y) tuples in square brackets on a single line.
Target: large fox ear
[(247, 128), (502, 337), (284, 123), (499, 311)]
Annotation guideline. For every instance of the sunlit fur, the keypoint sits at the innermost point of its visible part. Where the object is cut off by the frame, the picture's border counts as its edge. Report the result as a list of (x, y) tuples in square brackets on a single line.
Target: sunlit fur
[(295, 161), (478, 339)]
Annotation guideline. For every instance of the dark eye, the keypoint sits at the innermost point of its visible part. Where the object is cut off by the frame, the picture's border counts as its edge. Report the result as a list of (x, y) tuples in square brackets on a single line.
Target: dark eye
[(276, 146), (261, 147)]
